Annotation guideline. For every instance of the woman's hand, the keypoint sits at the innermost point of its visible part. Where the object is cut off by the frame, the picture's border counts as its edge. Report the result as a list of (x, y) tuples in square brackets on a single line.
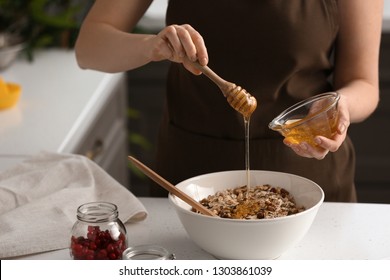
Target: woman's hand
[(326, 145), (106, 43), (179, 43)]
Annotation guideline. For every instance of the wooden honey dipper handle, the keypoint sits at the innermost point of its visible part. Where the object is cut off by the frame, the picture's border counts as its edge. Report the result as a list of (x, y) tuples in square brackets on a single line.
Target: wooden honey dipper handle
[(224, 85), (237, 97)]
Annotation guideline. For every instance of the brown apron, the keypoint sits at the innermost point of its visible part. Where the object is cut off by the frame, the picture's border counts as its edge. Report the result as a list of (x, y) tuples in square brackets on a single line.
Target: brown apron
[(278, 50)]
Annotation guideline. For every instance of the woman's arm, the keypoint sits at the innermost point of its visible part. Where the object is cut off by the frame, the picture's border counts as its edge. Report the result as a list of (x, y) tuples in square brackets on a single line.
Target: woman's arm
[(105, 41), (356, 75)]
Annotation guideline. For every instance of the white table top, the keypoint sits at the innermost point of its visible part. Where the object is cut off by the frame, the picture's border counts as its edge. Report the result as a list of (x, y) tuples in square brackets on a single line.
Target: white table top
[(352, 231)]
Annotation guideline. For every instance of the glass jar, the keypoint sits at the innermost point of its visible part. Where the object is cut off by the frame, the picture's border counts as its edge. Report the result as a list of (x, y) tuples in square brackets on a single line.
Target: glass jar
[(98, 233), (147, 252)]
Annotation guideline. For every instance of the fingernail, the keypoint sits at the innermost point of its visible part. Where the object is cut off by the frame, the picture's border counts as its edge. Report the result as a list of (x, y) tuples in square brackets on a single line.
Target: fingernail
[(342, 128), (203, 61), (318, 140)]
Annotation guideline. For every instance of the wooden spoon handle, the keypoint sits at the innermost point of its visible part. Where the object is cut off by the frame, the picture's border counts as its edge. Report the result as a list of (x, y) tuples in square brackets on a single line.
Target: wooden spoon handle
[(171, 188)]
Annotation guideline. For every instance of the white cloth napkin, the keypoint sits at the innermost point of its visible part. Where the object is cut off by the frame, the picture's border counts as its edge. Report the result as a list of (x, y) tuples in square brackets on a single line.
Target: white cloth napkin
[(39, 199)]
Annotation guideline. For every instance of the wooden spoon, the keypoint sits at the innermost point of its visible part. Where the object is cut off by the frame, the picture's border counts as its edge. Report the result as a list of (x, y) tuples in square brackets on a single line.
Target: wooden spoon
[(237, 97), (171, 188)]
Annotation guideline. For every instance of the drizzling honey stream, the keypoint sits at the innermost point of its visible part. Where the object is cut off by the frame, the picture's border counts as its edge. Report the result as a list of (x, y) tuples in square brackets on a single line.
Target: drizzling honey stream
[(245, 104), (239, 99)]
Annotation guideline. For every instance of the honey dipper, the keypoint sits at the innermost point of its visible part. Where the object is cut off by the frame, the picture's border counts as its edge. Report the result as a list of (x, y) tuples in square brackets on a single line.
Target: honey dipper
[(236, 96)]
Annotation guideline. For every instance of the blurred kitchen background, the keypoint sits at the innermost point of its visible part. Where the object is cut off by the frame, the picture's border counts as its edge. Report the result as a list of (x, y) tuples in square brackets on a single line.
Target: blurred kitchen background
[(142, 105)]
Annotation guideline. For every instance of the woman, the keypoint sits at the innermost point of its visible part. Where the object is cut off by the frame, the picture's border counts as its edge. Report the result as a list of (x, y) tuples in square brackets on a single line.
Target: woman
[(280, 51)]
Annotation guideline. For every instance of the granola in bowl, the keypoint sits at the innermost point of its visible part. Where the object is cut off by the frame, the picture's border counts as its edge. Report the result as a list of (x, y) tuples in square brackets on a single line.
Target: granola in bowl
[(259, 202), (244, 239)]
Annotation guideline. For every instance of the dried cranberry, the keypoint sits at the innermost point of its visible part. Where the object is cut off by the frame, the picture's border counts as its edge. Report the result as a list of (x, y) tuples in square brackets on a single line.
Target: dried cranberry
[(99, 245)]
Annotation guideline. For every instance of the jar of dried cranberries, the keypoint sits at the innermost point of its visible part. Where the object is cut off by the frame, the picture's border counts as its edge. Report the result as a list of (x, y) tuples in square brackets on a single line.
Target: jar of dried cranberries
[(98, 233)]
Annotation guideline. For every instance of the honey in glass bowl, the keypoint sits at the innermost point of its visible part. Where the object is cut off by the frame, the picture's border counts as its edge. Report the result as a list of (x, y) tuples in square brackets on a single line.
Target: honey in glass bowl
[(315, 116)]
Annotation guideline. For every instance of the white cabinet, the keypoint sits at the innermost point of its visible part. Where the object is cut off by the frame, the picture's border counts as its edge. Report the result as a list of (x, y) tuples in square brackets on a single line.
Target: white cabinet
[(67, 110), (105, 141)]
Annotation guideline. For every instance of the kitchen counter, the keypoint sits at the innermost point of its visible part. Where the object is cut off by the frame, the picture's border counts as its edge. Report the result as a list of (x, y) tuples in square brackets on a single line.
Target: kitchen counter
[(65, 109), (349, 231)]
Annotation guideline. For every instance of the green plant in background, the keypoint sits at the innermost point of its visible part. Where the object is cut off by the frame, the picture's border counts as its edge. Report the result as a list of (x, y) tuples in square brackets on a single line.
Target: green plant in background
[(137, 140), (43, 23)]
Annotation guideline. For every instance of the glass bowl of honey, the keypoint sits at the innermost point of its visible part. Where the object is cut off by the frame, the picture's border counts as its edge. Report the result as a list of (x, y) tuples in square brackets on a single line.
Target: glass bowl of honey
[(315, 116)]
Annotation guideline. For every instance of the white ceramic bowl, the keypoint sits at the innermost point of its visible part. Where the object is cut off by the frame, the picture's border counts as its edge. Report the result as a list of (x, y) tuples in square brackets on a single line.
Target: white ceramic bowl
[(247, 239)]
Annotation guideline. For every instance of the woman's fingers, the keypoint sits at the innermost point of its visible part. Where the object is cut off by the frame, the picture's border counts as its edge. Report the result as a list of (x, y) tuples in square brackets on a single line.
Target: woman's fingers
[(305, 150), (325, 145), (197, 50), (181, 41), (171, 36)]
